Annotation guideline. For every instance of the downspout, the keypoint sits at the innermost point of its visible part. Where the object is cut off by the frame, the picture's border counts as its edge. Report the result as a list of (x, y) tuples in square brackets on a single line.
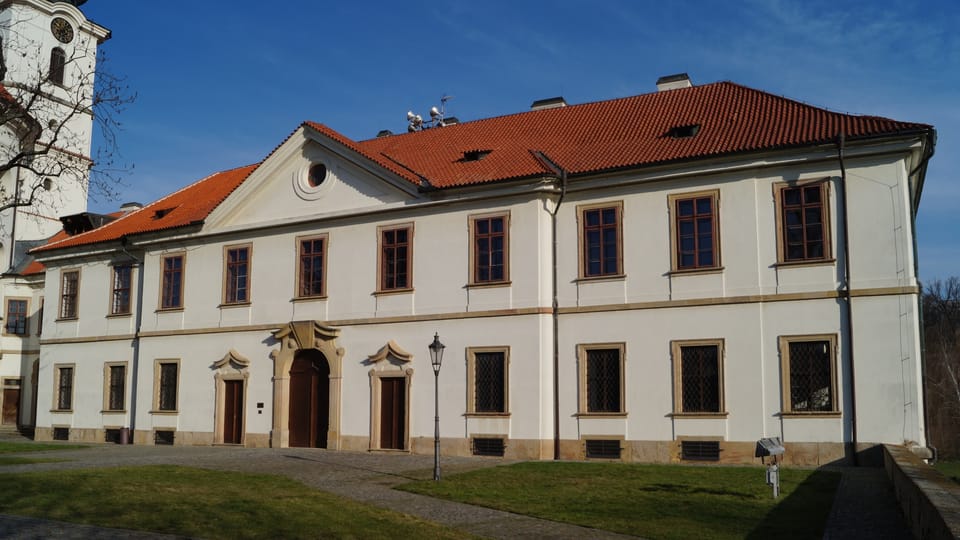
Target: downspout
[(845, 293), (138, 319), (555, 309), (921, 169)]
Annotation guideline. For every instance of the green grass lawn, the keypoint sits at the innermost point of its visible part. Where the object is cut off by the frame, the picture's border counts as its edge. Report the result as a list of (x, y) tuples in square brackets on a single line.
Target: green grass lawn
[(950, 469), (653, 501), (22, 447), (202, 503), (21, 460)]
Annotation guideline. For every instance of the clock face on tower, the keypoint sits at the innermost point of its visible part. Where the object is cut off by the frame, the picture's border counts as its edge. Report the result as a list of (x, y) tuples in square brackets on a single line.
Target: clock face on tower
[(61, 30)]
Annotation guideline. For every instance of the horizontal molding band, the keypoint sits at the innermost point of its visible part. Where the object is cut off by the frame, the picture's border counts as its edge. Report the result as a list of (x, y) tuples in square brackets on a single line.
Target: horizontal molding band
[(697, 302)]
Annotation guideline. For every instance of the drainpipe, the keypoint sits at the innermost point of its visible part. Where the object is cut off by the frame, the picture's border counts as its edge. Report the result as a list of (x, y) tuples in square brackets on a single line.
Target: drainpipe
[(138, 319), (555, 310), (845, 294)]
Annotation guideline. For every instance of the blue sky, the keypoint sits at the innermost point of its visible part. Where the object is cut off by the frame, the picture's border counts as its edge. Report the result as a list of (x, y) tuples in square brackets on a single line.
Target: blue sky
[(221, 83)]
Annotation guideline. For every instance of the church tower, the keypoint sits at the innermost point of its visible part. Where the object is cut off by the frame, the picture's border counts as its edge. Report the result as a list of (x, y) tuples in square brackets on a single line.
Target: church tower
[(49, 57), (48, 61)]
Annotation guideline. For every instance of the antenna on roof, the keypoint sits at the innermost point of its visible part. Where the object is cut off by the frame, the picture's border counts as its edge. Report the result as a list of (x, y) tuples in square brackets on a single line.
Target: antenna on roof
[(415, 122)]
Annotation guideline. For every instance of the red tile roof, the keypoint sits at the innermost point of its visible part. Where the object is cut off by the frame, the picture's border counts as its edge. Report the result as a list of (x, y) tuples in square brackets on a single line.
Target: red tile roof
[(623, 133), (583, 139), (190, 205)]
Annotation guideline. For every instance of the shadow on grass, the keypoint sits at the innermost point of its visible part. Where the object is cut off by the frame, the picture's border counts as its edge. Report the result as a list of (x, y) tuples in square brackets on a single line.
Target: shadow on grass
[(691, 490), (798, 515)]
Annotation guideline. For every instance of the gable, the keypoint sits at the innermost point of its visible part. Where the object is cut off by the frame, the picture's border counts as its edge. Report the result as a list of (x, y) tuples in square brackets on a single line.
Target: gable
[(306, 178)]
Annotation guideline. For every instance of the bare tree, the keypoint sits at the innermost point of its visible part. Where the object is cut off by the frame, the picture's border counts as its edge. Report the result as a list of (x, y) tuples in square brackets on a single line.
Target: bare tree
[(941, 317), (49, 102)]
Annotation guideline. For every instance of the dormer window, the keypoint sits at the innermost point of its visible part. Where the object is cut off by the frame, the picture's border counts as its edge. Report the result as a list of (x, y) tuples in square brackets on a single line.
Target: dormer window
[(159, 214), (474, 155), (683, 132), (58, 62)]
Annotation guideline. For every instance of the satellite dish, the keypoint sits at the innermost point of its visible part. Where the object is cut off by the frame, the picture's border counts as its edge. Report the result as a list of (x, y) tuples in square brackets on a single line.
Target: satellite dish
[(434, 112), (410, 115)]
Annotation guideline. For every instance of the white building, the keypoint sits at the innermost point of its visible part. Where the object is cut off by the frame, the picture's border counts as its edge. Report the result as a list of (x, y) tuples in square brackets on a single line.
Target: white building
[(654, 278), (47, 65)]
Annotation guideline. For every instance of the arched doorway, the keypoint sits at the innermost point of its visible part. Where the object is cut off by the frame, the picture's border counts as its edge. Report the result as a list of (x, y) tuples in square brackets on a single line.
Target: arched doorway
[(309, 406)]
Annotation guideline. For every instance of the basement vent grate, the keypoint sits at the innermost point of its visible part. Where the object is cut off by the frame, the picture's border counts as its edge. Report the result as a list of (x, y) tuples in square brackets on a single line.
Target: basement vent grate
[(603, 448), (112, 436), (163, 437), (488, 446), (61, 434), (700, 450)]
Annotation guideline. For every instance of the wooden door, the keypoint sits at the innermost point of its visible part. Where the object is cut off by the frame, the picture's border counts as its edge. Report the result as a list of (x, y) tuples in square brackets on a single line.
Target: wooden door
[(233, 412), (309, 406), (393, 414), (11, 406)]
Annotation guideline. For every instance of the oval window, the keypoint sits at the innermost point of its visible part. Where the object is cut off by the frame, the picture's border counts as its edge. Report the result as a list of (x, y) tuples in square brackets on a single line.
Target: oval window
[(317, 174)]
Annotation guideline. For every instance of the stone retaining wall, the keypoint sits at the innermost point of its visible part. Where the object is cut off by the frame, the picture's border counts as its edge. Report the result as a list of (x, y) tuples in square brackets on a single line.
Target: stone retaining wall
[(930, 500)]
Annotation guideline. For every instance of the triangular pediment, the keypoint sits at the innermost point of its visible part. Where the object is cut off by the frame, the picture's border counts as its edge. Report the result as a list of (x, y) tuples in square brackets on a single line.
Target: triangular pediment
[(311, 176)]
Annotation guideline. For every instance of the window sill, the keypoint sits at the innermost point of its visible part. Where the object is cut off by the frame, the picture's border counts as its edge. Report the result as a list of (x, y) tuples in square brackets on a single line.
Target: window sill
[(393, 291), (114, 411), (489, 284), (119, 315), (66, 319), (308, 298), (608, 277), (234, 305), (165, 413), (811, 262), (62, 411), (487, 415), (14, 335), (811, 414), (169, 309), (695, 271), (701, 415), (601, 415)]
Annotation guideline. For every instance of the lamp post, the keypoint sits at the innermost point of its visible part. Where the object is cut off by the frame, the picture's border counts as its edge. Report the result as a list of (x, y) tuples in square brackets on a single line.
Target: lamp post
[(436, 358)]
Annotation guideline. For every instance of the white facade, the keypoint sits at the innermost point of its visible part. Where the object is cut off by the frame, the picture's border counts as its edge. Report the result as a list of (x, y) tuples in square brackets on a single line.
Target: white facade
[(61, 112), (749, 305)]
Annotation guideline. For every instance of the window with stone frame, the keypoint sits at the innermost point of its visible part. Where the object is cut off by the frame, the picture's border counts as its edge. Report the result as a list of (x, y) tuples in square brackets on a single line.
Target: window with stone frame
[(809, 374), (695, 231), (396, 258), (167, 387), (487, 372), (311, 271), (120, 290), (804, 222), (69, 290), (601, 378), (490, 249), (698, 377), (236, 262), (17, 322), (600, 241), (171, 281), (116, 389), (64, 388)]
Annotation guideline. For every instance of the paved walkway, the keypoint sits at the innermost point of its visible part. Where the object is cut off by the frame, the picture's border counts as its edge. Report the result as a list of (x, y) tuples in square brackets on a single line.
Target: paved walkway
[(865, 506)]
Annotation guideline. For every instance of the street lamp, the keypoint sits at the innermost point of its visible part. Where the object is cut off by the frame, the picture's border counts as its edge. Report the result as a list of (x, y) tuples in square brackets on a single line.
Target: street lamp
[(436, 358)]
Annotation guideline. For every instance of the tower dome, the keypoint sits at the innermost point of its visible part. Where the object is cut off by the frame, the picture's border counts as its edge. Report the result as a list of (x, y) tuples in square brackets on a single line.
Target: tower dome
[(75, 3)]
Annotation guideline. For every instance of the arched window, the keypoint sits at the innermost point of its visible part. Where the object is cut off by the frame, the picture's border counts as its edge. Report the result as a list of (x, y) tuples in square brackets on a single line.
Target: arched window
[(58, 60)]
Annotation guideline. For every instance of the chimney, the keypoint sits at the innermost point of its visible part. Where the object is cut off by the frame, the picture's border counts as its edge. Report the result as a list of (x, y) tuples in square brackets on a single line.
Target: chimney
[(671, 82), (128, 207), (549, 103)]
